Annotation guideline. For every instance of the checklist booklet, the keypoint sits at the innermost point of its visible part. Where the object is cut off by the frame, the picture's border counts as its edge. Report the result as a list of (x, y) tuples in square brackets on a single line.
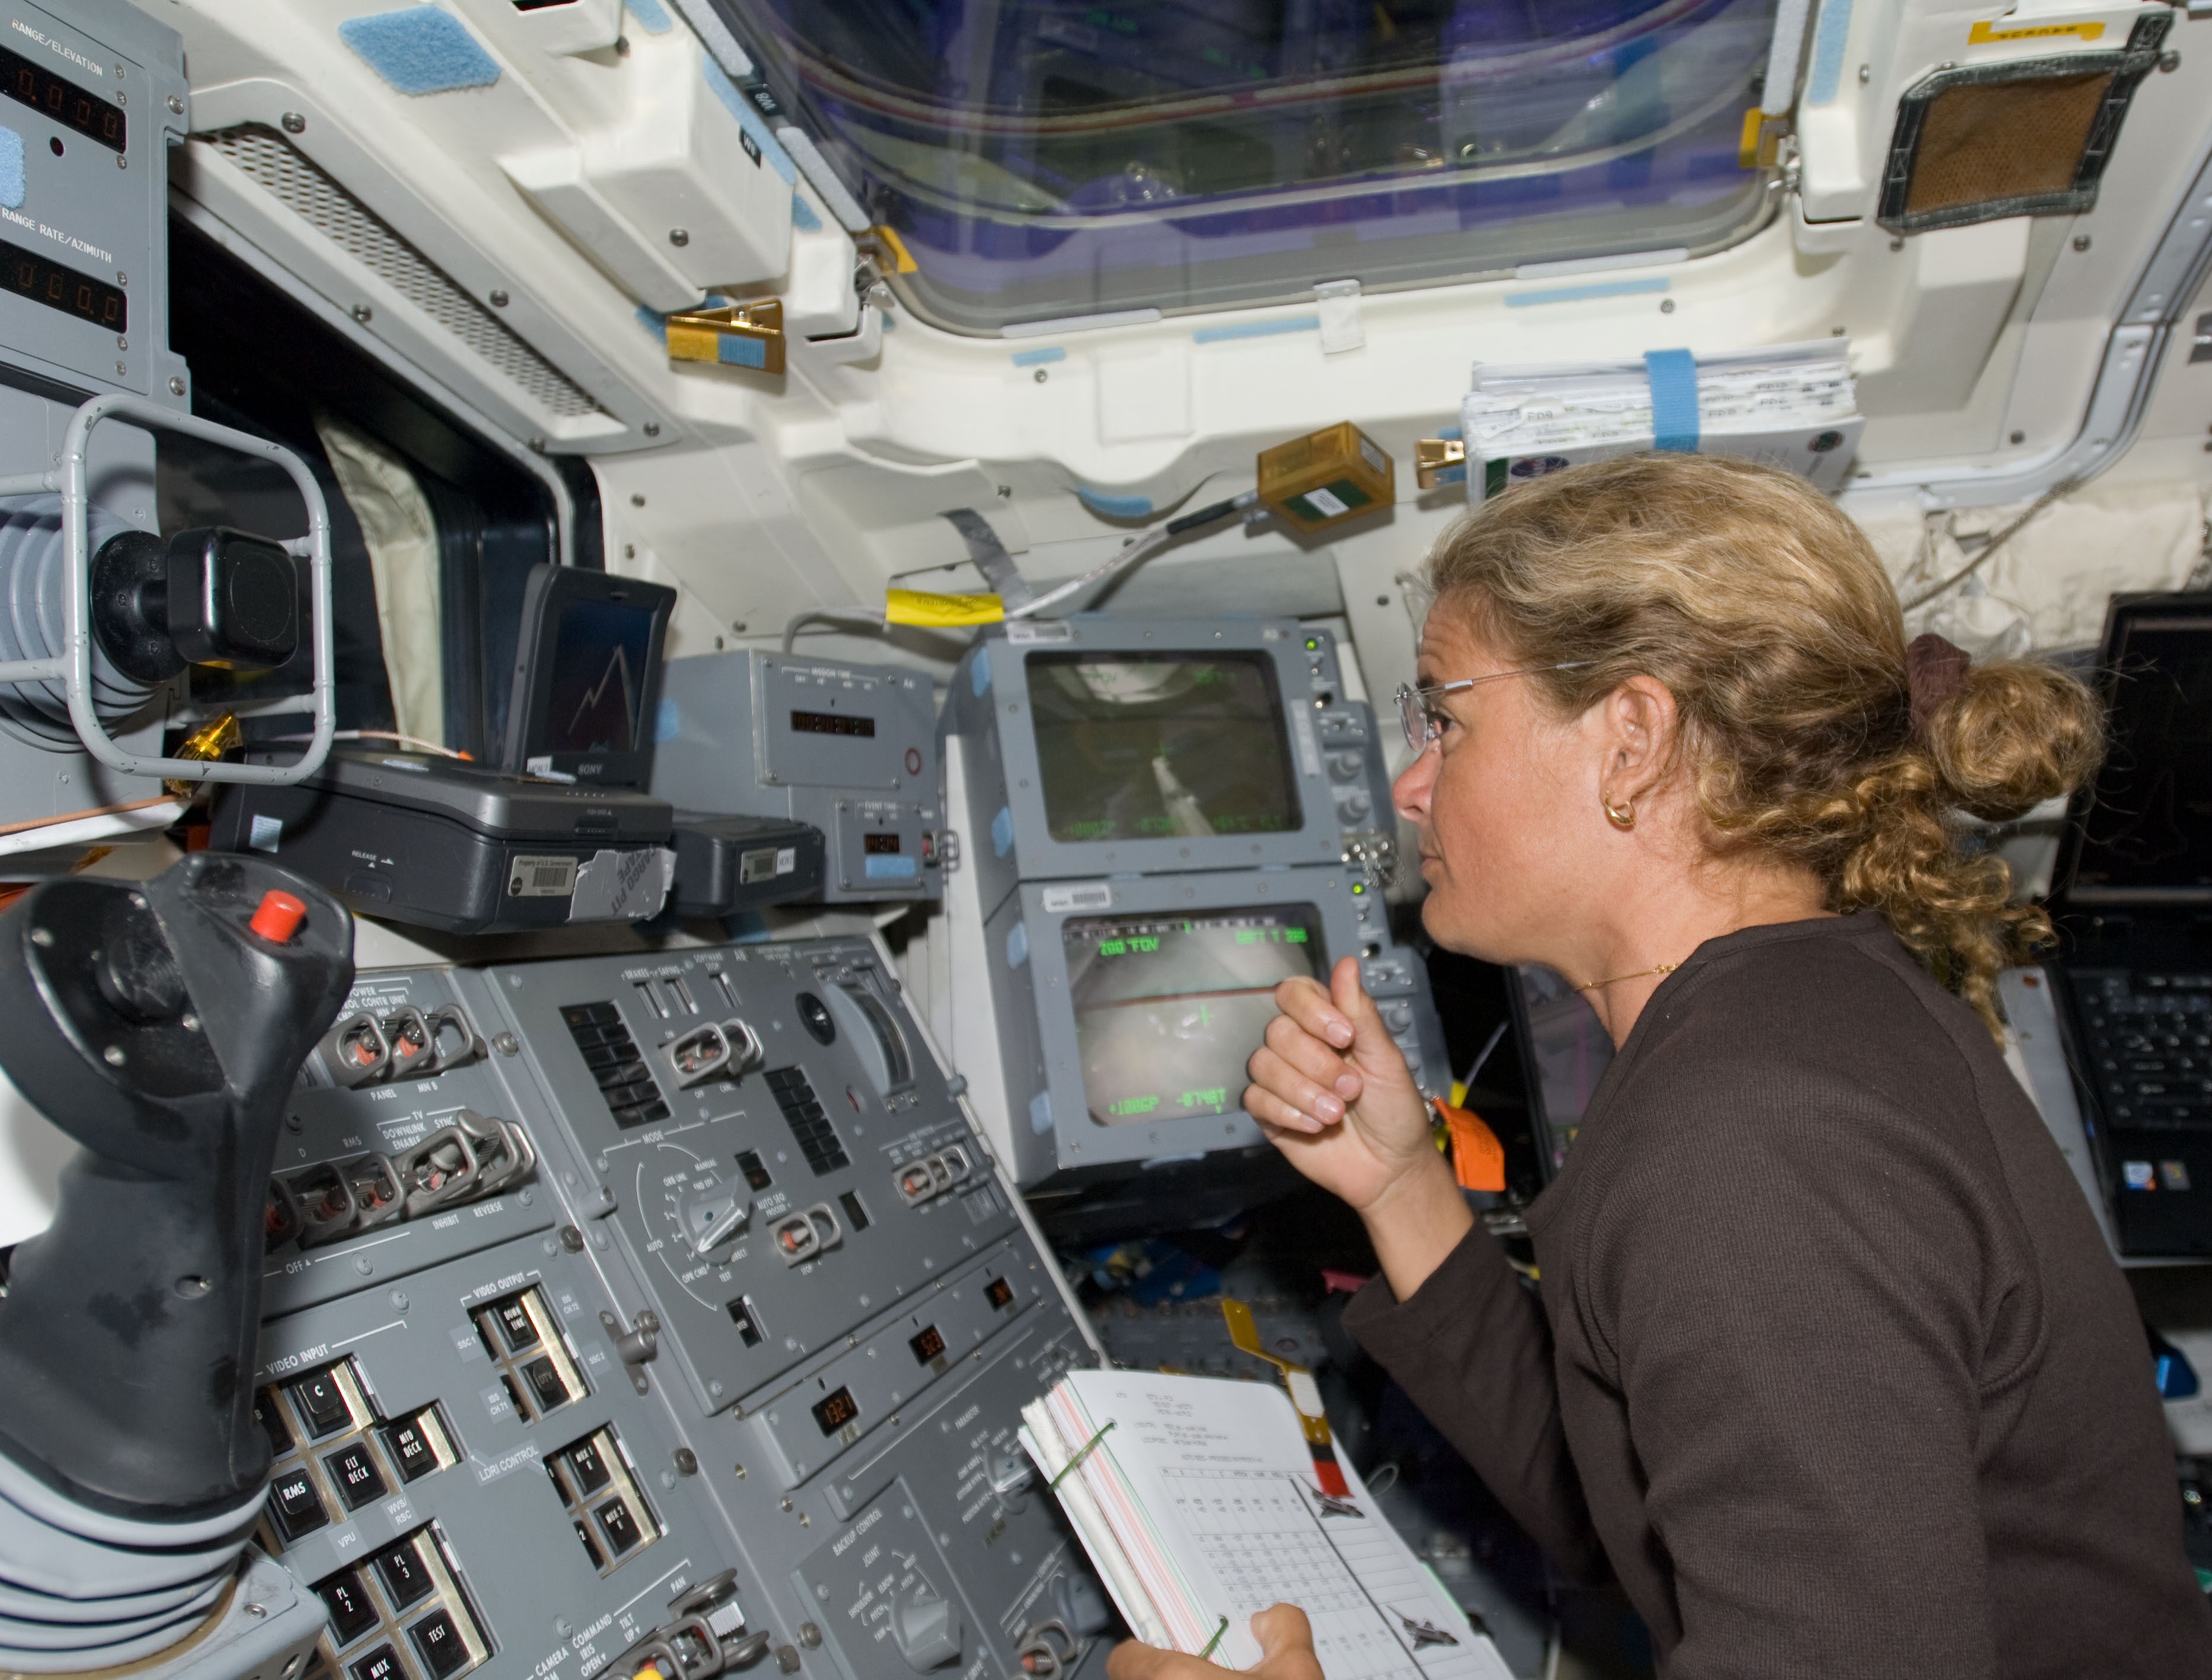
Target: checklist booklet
[(1198, 1502)]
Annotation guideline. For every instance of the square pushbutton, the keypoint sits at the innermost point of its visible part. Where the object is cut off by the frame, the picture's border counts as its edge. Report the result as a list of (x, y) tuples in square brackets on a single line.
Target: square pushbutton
[(587, 1462), (271, 1417), (545, 1382), (352, 1612), (381, 1664), (515, 1326), (294, 1507), (409, 1443), (620, 1525), (352, 1470), (439, 1643), (322, 1403), (406, 1579)]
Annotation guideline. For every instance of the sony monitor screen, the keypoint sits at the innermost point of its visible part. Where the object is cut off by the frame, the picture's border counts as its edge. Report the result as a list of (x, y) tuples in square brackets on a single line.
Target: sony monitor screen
[(599, 659), (2148, 829), (1161, 746), (1169, 1008)]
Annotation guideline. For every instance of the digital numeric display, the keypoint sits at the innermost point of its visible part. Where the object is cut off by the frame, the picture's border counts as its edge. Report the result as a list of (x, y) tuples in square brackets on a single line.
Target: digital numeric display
[(834, 1410), (831, 723), (28, 274), (929, 1345), (57, 97)]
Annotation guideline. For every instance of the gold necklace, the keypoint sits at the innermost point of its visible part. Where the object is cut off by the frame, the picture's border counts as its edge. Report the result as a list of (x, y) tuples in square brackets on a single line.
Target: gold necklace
[(1599, 985)]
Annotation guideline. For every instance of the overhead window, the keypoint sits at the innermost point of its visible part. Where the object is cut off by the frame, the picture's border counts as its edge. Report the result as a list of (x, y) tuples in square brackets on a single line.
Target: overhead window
[(1072, 157)]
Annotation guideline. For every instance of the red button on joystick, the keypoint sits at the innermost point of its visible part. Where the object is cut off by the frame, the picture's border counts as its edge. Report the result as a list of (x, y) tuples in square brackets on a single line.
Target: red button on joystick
[(279, 917)]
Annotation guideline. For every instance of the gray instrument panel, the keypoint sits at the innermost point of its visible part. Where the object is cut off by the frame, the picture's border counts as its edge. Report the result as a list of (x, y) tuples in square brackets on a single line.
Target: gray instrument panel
[(593, 1279)]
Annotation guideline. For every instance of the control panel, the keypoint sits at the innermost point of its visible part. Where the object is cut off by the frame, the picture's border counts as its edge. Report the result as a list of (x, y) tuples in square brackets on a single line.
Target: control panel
[(626, 1313), (850, 748)]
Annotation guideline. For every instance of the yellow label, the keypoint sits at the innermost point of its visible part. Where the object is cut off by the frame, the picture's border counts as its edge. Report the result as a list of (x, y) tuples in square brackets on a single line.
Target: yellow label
[(1984, 34), (693, 343), (940, 612), (1746, 149)]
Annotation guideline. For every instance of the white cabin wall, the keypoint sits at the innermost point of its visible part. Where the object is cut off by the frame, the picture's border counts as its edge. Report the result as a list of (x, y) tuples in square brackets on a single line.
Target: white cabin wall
[(764, 496)]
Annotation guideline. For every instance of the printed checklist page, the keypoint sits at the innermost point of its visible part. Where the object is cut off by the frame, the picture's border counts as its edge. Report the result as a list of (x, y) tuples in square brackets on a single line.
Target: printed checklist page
[(1213, 1486)]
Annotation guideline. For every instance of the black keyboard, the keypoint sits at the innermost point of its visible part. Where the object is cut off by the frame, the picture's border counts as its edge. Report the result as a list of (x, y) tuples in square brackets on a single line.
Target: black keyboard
[(2147, 1046)]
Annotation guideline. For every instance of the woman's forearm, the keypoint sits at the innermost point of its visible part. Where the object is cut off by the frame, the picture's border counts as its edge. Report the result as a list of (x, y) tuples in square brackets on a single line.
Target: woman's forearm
[(1415, 1223)]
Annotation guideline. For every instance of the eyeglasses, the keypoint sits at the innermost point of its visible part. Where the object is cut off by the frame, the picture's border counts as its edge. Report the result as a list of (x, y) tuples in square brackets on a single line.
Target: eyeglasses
[(1416, 707)]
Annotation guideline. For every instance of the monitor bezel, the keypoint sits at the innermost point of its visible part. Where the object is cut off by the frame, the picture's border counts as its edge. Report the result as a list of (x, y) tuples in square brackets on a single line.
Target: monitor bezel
[(1078, 1142), (545, 597), (2125, 615), (1319, 837)]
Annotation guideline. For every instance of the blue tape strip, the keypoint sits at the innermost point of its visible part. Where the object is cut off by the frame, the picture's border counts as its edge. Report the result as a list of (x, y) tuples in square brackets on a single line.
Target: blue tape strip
[(1002, 831), (651, 15), (1597, 288), (1830, 36), (1041, 1112), (1038, 358), (979, 678), (1674, 376), (1114, 507), (1256, 330), (11, 169), (749, 119), (883, 868), (803, 217), (420, 50), (746, 353), (1018, 945)]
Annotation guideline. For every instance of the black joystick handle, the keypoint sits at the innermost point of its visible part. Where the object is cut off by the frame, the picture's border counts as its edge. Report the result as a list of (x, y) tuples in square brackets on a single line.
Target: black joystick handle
[(161, 1026)]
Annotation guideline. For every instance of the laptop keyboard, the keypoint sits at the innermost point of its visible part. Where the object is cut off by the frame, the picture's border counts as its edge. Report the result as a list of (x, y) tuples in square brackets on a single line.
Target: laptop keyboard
[(2149, 1044)]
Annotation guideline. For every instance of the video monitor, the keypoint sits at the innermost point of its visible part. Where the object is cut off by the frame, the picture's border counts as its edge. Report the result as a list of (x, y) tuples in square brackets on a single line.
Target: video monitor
[(1146, 746), (1169, 1009), (1101, 746), (1106, 1024), (2144, 832), (587, 677)]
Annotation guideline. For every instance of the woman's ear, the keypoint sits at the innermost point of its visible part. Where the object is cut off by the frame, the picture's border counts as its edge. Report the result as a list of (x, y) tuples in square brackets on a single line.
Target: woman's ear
[(1637, 722)]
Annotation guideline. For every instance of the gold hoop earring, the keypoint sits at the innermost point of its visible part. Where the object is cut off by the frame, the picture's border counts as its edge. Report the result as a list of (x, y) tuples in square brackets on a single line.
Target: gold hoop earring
[(1623, 815)]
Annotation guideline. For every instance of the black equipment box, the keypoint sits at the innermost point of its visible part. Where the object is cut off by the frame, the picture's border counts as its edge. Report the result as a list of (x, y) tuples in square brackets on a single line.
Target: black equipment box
[(443, 843), (726, 865)]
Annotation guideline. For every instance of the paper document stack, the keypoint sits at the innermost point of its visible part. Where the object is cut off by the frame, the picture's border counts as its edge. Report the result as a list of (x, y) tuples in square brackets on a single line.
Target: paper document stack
[(1792, 406), (1197, 1502)]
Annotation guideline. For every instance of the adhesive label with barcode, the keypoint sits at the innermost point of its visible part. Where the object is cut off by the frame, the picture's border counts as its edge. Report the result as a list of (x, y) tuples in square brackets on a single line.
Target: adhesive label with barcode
[(542, 878), (1083, 895)]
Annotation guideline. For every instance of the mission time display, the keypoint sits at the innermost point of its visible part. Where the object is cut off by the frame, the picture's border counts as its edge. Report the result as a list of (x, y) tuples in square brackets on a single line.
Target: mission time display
[(1144, 746), (1169, 1009)]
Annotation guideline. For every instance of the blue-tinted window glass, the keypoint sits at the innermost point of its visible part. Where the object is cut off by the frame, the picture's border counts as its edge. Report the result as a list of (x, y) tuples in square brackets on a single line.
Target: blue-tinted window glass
[(1048, 158)]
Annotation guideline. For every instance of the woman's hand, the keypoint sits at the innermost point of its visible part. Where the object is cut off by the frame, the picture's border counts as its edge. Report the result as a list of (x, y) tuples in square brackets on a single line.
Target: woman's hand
[(1286, 1652), (1332, 1091)]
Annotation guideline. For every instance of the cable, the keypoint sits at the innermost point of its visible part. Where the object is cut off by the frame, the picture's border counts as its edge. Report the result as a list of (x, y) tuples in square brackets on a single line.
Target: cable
[(1989, 548), (850, 620), (1142, 547)]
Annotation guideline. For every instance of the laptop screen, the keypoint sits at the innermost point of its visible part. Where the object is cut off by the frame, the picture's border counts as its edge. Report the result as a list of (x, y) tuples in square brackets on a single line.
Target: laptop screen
[(2147, 835)]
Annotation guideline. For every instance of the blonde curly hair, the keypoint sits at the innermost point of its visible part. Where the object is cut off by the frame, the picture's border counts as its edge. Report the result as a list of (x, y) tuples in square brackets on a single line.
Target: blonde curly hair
[(1763, 610)]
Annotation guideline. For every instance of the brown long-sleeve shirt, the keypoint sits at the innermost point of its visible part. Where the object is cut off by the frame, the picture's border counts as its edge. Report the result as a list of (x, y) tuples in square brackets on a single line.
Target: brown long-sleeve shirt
[(1831, 1364)]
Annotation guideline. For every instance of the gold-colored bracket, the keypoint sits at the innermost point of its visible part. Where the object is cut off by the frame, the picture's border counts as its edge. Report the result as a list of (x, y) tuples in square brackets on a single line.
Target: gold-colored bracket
[(740, 335), (1439, 461)]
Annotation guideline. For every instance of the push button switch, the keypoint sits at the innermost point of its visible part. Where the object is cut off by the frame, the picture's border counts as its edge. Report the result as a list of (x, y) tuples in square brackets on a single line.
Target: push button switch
[(381, 1664), (409, 1445), (354, 1473), (352, 1614), (407, 1581), (620, 1525), (294, 1507), (322, 1403), (439, 1643), (588, 1463)]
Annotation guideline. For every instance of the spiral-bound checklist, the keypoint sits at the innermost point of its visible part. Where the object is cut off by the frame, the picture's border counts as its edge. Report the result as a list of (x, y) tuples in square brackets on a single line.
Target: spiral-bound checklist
[(1197, 1500)]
